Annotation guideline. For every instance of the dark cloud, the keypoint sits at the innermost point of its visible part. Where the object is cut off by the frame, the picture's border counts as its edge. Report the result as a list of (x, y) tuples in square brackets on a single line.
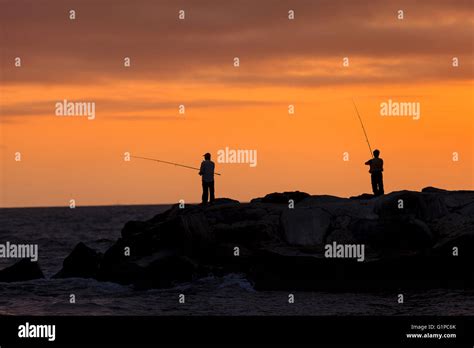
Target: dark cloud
[(124, 108), (90, 50)]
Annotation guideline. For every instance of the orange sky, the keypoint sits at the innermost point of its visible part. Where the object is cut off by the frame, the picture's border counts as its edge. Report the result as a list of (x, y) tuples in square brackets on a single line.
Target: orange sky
[(190, 62)]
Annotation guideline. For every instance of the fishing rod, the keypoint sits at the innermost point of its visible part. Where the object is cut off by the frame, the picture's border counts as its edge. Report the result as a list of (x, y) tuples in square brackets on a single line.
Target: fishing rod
[(363, 128), (166, 162)]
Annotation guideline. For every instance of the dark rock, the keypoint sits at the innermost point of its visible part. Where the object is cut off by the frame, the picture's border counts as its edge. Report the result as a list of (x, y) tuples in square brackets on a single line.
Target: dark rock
[(282, 198), (158, 270), (459, 201), (223, 201), (431, 189), (132, 228), (424, 206), (305, 226), (165, 270), (404, 233), (363, 196), (23, 270), (282, 247), (82, 262)]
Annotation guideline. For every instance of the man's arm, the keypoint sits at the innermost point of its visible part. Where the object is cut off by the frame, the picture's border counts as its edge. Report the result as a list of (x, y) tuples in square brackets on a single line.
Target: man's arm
[(200, 169), (368, 162)]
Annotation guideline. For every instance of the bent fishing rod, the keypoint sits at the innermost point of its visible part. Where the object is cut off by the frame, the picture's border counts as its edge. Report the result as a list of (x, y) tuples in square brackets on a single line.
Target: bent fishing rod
[(166, 162), (363, 128)]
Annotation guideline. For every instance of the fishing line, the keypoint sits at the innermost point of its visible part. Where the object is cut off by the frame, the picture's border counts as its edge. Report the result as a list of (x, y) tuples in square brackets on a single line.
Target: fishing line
[(166, 162)]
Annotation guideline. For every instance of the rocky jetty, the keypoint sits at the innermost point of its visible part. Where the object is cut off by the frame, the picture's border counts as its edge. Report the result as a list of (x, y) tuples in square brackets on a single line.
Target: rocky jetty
[(23, 270), (408, 240)]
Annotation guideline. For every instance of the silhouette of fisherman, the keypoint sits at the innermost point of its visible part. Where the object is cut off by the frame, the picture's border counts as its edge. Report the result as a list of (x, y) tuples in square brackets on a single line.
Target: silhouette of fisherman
[(207, 173), (376, 169)]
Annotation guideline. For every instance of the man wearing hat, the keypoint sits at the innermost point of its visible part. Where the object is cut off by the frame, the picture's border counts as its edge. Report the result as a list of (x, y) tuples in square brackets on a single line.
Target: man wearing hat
[(207, 173)]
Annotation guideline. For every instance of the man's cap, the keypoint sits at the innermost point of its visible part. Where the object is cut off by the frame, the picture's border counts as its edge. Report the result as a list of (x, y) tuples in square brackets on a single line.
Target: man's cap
[(206, 154)]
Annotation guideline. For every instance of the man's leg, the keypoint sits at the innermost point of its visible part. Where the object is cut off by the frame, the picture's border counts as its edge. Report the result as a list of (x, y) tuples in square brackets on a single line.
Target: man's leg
[(204, 192), (380, 184), (373, 179), (211, 190)]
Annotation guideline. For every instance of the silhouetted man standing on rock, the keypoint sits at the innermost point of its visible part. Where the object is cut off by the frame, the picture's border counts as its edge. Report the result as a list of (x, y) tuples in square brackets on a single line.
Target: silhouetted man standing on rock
[(207, 173), (376, 169)]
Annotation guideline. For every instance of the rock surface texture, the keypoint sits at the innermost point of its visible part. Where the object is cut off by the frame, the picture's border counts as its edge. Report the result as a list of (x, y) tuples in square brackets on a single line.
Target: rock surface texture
[(23, 270), (410, 239)]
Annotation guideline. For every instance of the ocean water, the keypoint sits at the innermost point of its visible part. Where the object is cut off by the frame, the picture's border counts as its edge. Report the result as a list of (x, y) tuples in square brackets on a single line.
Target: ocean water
[(58, 230)]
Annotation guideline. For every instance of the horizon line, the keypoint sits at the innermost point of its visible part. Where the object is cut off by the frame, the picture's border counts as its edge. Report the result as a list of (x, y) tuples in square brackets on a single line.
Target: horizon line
[(170, 204)]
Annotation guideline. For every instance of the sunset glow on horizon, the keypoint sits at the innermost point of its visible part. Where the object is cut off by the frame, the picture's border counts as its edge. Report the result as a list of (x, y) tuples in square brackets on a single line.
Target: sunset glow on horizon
[(190, 62)]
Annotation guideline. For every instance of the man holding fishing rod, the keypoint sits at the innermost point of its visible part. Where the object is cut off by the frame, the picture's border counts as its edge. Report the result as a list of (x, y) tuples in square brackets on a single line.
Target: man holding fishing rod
[(376, 169), (207, 173), (376, 163)]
